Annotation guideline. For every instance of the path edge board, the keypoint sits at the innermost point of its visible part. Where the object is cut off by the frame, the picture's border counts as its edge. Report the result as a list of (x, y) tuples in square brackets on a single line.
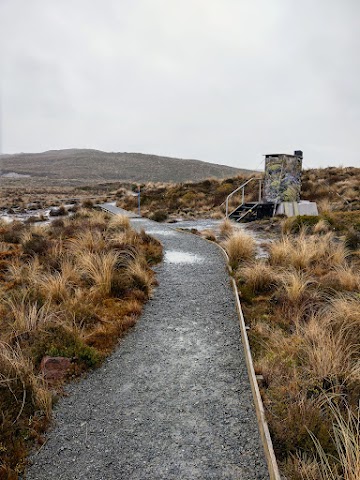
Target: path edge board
[(259, 406)]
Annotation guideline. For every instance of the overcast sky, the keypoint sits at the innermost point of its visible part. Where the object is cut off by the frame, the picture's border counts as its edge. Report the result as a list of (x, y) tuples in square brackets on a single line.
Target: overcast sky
[(218, 80)]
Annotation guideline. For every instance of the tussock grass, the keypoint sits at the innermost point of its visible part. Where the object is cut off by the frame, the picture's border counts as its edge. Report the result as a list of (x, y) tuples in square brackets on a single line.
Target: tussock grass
[(69, 270), (294, 285), (322, 226), (15, 270), (209, 234), (308, 251), (326, 354), (69, 289), (240, 246), (346, 437), (259, 276), (141, 277), (344, 314), (27, 316), (325, 206), (226, 228), (54, 287), (303, 306), (343, 278), (17, 373), (98, 270), (87, 241), (191, 199), (119, 222)]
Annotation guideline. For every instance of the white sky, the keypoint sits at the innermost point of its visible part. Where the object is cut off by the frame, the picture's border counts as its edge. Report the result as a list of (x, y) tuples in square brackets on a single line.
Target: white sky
[(219, 80)]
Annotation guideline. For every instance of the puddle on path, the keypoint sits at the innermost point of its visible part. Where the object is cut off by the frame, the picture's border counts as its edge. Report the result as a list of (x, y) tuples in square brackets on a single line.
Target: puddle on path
[(167, 233), (173, 256)]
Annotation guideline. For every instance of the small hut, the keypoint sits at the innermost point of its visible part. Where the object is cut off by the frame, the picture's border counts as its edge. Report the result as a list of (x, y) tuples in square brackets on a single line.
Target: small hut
[(279, 193), (282, 182)]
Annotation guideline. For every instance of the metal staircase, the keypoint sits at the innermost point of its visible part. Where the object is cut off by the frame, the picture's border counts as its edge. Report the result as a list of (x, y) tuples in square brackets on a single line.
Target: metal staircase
[(248, 211)]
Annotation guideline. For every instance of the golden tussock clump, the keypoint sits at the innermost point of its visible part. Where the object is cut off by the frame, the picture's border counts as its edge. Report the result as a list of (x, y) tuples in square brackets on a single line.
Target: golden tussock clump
[(259, 276), (226, 228), (240, 246)]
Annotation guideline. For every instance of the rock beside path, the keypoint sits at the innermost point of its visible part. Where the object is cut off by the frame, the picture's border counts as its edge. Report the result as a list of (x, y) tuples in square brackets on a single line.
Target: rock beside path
[(55, 368)]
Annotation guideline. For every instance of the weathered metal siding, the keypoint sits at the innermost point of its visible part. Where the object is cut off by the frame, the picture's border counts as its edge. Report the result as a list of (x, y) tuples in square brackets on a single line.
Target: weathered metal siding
[(282, 178)]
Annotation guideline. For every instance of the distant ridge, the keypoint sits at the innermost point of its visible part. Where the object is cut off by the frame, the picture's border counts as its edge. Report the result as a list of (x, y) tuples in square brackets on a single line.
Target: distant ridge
[(89, 166)]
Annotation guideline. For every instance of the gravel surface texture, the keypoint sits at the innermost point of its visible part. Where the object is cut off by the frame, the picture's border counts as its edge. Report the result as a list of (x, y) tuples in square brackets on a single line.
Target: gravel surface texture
[(174, 400)]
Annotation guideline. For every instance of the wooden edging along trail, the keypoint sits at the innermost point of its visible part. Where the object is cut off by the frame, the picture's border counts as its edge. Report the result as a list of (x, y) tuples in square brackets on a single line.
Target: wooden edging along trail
[(259, 406), (260, 412)]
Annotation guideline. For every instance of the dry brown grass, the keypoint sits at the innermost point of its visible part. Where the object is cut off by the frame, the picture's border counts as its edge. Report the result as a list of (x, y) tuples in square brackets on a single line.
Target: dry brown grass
[(27, 316), (54, 287), (87, 241), (346, 435), (325, 354), (69, 289), (325, 206), (303, 306), (240, 247), (295, 284), (17, 372), (322, 226), (208, 234), (97, 270), (226, 228), (343, 278), (259, 276), (141, 277), (308, 251), (117, 222)]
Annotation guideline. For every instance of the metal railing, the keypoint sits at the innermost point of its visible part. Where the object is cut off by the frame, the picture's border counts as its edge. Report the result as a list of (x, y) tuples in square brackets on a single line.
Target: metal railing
[(242, 187)]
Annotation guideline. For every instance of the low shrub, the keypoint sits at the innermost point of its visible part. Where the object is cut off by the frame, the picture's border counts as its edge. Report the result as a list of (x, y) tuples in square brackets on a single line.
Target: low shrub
[(296, 224), (36, 245), (159, 216), (58, 212), (88, 204), (352, 239)]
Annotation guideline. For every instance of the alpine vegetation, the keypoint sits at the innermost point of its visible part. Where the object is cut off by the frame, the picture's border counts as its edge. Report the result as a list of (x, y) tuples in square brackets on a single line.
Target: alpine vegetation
[(69, 290)]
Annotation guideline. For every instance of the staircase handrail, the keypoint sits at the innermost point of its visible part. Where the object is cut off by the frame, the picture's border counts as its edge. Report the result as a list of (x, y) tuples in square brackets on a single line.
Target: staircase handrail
[(246, 213), (243, 197)]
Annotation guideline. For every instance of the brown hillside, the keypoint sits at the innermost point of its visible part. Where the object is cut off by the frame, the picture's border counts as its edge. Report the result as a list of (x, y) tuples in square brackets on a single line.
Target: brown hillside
[(89, 166)]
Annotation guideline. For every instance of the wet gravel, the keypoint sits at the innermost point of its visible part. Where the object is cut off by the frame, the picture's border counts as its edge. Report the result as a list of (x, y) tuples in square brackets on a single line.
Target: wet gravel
[(174, 400)]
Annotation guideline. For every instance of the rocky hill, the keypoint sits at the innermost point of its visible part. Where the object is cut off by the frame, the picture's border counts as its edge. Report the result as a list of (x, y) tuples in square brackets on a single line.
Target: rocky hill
[(88, 166)]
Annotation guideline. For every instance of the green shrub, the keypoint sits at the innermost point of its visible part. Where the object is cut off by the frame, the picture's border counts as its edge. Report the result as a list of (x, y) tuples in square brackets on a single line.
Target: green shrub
[(78, 351), (295, 224)]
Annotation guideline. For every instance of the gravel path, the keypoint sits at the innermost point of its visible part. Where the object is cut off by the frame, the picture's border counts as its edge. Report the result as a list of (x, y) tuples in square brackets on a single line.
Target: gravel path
[(174, 400)]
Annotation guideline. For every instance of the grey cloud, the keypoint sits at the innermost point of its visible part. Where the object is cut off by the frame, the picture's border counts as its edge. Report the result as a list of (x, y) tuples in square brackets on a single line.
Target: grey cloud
[(219, 80)]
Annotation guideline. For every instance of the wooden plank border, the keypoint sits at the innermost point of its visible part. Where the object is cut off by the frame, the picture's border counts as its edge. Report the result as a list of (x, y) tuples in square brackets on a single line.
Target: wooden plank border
[(259, 406)]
